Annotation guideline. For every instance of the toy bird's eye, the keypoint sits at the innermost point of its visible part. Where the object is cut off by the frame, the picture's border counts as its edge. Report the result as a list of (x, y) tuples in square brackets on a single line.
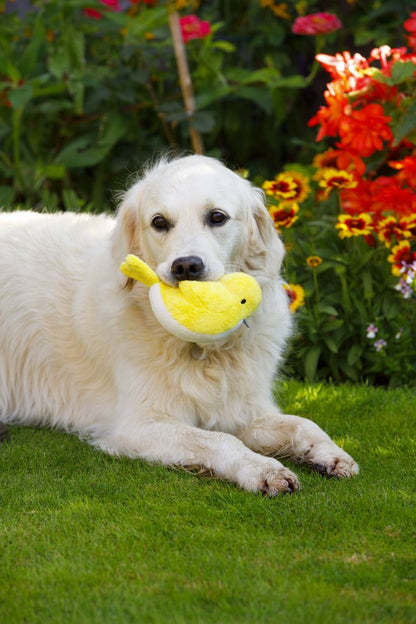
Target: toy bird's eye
[(160, 223), (217, 217)]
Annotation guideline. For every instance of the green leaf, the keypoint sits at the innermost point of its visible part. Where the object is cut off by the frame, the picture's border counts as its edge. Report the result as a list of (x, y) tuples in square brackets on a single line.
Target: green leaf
[(30, 55), (331, 344), (311, 362), (7, 195), (21, 96), (203, 121), (407, 123), (354, 354)]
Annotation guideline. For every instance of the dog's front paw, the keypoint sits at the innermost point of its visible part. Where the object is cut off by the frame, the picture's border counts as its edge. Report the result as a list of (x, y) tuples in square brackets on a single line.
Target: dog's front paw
[(332, 461), (268, 477)]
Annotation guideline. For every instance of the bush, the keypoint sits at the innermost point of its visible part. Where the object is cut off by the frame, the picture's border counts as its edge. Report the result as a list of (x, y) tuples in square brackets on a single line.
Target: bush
[(352, 241), (84, 101)]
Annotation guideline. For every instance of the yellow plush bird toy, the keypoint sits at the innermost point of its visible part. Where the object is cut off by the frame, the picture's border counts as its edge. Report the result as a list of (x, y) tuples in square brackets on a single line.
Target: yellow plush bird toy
[(197, 311)]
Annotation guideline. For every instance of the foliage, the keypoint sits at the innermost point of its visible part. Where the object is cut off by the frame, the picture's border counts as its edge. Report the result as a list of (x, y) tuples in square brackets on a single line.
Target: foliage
[(88, 538), (84, 101), (352, 242)]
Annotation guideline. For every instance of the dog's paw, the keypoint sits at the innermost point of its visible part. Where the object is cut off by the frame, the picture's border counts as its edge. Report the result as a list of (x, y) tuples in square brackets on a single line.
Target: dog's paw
[(332, 461), (268, 477)]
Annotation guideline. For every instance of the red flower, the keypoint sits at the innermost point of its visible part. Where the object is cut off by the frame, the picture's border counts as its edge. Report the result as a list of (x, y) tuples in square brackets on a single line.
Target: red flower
[(194, 28), (113, 5), (364, 130), (316, 24), (329, 117), (388, 195)]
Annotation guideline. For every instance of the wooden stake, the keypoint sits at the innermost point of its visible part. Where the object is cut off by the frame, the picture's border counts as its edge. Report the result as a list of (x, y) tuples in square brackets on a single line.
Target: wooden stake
[(185, 79)]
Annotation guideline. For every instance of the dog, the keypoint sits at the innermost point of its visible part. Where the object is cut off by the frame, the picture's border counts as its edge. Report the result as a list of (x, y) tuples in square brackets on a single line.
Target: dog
[(82, 351)]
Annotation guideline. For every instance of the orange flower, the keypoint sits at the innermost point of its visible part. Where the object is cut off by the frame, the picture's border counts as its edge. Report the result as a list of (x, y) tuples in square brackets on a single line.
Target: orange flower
[(296, 295), (364, 130), (329, 117), (284, 217), (389, 195), (360, 225), (400, 257), (313, 261), (357, 200), (407, 170), (341, 159)]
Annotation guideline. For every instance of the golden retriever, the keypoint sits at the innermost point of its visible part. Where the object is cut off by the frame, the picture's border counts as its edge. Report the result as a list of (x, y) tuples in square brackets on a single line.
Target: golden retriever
[(81, 349)]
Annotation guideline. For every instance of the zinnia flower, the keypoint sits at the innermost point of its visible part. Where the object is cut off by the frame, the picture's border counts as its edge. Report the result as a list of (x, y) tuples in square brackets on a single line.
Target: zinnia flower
[(194, 28), (113, 5), (364, 130), (296, 295), (316, 24), (359, 225)]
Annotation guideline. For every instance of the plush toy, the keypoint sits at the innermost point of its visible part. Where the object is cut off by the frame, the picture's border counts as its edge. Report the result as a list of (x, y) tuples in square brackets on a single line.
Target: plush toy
[(197, 311)]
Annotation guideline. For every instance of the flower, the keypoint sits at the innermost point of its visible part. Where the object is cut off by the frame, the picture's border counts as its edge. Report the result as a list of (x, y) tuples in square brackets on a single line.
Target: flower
[(387, 228), (194, 28), (302, 188), (313, 261), (282, 187), (404, 288), (401, 257), (316, 24), (296, 295), (284, 217), (113, 5), (410, 26), (364, 130), (280, 9), (331, 178), (359, 225), (371, 331), (380, 344)]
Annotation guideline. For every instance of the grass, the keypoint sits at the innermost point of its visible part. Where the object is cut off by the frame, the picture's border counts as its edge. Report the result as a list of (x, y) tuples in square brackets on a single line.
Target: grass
[(87, 538)]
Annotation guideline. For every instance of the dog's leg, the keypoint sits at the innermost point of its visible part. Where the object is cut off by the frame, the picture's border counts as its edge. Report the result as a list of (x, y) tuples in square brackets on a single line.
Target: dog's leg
[(179, 444), (298, 439)]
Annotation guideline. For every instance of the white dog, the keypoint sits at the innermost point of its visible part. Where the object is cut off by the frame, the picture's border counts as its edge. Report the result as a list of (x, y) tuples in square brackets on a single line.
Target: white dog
[(81, 350)]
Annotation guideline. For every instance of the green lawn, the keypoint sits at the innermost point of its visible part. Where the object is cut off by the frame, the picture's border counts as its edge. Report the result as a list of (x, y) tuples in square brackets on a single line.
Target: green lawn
[(90, 538)]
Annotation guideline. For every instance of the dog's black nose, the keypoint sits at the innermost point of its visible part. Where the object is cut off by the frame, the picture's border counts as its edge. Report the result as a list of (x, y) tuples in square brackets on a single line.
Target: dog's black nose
[(187, 268)]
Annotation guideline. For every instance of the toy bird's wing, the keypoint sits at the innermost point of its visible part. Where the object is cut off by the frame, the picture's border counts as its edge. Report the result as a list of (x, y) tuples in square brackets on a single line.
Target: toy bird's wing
[(138, 270), (211, 296)]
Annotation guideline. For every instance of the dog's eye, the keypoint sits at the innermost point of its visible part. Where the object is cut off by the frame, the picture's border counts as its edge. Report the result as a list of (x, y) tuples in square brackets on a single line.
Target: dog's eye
[(160, 223), (217, 217)]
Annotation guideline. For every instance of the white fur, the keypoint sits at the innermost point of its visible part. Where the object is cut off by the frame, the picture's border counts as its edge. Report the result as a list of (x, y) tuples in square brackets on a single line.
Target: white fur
[(81, 350)]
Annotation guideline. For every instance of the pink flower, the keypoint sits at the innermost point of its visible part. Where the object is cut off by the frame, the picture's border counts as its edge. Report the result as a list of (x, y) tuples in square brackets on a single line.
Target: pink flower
[(194, 28), (114, 5), (316, 24)]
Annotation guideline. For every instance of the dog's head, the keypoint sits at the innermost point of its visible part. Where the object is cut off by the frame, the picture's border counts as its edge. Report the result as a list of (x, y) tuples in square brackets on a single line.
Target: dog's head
[(192, 218)]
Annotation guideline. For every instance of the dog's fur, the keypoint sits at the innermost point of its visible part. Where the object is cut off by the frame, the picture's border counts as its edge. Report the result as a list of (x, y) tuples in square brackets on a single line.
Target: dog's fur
[(81, 350)]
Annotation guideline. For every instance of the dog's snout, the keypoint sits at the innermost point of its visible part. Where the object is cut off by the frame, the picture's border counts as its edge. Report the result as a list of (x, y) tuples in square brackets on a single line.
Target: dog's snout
[(187, 268)]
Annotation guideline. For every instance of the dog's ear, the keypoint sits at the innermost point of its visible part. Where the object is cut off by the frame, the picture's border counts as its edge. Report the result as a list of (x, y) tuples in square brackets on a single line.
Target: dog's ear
[(264, 251), (127, 232)]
